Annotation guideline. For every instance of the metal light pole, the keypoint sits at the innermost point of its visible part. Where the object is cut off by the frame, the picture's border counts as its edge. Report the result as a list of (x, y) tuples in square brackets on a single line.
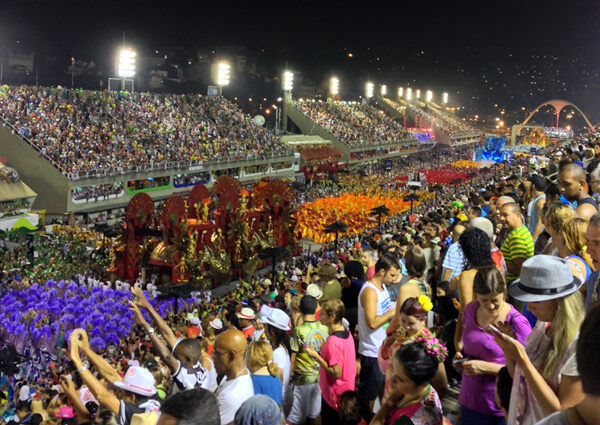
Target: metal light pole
[(72, 72), (277, 111)]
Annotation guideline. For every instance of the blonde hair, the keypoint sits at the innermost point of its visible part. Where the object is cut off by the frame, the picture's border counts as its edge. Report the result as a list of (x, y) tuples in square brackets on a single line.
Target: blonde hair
[(565, 325), (260, 354), (557, 214), (334, 309), (295, 304), (573, 233), (37, 407)]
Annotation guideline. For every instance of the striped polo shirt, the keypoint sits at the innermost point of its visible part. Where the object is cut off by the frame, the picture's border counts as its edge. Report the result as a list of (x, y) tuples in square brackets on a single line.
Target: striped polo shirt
[(518, 244)]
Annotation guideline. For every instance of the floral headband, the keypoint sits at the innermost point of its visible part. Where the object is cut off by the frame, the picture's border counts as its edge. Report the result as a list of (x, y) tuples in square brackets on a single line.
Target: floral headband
[(425, 302), (433, 346)]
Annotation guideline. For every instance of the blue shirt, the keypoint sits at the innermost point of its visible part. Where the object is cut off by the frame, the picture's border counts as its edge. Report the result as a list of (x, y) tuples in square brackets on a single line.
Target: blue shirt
[(454, 260), (267, 385), (591, 285)]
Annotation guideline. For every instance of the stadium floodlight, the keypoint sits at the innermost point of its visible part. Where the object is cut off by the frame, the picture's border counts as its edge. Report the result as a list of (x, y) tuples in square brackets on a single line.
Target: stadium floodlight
[(418, 94), (370, 87), (409, 94), (429, 96), (445, 98), (223, 74), (400, 91), (383, 90), (335, 86), (126, 63), (288, 81)]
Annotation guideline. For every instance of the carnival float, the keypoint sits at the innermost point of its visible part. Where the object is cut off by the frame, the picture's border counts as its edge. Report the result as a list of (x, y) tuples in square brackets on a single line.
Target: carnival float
[(210, 238)]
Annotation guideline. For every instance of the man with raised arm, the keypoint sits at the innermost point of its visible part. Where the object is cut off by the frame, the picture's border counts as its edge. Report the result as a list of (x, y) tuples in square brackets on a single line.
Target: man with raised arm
[(185, 356)]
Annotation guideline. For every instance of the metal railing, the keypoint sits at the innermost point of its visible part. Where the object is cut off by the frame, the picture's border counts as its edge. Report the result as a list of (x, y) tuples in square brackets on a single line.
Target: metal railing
[(35, 147)]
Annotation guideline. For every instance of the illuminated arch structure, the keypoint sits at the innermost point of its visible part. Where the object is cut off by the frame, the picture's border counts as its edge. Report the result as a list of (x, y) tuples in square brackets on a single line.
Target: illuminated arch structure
[(558, 104)]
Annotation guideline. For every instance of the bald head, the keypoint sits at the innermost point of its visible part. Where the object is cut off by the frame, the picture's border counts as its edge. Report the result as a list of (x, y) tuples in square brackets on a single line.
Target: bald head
[(232, 340), (504, 200), (484, 224), (229, 351), (575, 171)]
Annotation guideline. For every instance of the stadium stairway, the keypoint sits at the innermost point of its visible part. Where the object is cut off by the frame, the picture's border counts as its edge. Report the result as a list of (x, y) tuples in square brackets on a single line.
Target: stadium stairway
[(39, 174)]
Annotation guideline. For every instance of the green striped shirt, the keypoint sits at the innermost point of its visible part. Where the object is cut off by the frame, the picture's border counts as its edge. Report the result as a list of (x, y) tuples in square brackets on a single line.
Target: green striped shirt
[(518, 244)]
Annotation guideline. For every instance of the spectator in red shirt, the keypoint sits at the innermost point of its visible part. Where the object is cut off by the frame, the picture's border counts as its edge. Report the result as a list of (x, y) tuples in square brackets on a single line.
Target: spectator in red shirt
[(246, 316)]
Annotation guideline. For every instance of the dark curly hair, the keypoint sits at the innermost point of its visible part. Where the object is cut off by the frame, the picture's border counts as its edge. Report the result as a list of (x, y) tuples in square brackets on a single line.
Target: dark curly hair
[(475, 245), (418, 365)]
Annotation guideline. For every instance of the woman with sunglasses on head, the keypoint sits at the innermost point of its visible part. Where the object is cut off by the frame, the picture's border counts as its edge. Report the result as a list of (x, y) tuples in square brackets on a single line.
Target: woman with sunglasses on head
[(545, 375)]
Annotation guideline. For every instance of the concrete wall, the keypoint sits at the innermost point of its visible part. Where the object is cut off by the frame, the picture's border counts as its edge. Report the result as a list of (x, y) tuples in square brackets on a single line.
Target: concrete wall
[(49, 183)]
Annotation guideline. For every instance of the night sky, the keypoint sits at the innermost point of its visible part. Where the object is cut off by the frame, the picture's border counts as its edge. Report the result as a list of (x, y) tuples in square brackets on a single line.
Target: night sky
[(426, 40), (442, 29)]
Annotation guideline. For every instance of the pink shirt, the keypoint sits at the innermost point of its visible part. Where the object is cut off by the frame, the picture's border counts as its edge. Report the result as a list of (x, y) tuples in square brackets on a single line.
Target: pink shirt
[(338, 351), (370, 272)]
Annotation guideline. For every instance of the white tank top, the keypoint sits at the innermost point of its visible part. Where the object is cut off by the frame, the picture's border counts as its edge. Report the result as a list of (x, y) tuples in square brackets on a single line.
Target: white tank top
[(371, 339), (212, 375)]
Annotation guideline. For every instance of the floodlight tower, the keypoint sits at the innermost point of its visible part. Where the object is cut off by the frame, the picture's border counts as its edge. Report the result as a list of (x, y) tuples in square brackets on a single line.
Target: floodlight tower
[(126, 66), (334, 86), (223, 76), (125, 70), (369, 90), (288, 86)]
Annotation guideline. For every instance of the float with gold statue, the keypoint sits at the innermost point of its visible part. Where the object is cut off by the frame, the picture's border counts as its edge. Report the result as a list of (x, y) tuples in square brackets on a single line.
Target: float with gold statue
[(208, 238)]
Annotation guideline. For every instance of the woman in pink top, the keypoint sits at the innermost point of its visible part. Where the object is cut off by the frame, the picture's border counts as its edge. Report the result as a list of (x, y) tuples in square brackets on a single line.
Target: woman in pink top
[(337, 360), (486, 357)]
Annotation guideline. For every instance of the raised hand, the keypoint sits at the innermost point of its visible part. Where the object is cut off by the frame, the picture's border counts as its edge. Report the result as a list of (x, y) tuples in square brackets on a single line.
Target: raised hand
[(68, 387), (141, 300), (82, 339), (139, 319)]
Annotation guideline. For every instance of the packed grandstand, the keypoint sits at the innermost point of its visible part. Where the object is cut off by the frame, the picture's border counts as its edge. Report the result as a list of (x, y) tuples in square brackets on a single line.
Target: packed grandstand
[(92, 130)]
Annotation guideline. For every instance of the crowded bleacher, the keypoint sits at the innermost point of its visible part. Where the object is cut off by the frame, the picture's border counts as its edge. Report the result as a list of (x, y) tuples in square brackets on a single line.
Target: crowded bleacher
[(90, 130), (352, 123), (450, 124)]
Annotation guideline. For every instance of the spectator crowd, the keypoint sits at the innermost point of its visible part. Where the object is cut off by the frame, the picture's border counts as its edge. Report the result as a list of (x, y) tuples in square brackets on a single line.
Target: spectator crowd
[(93, 130), (490, 290), (354, 124)]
